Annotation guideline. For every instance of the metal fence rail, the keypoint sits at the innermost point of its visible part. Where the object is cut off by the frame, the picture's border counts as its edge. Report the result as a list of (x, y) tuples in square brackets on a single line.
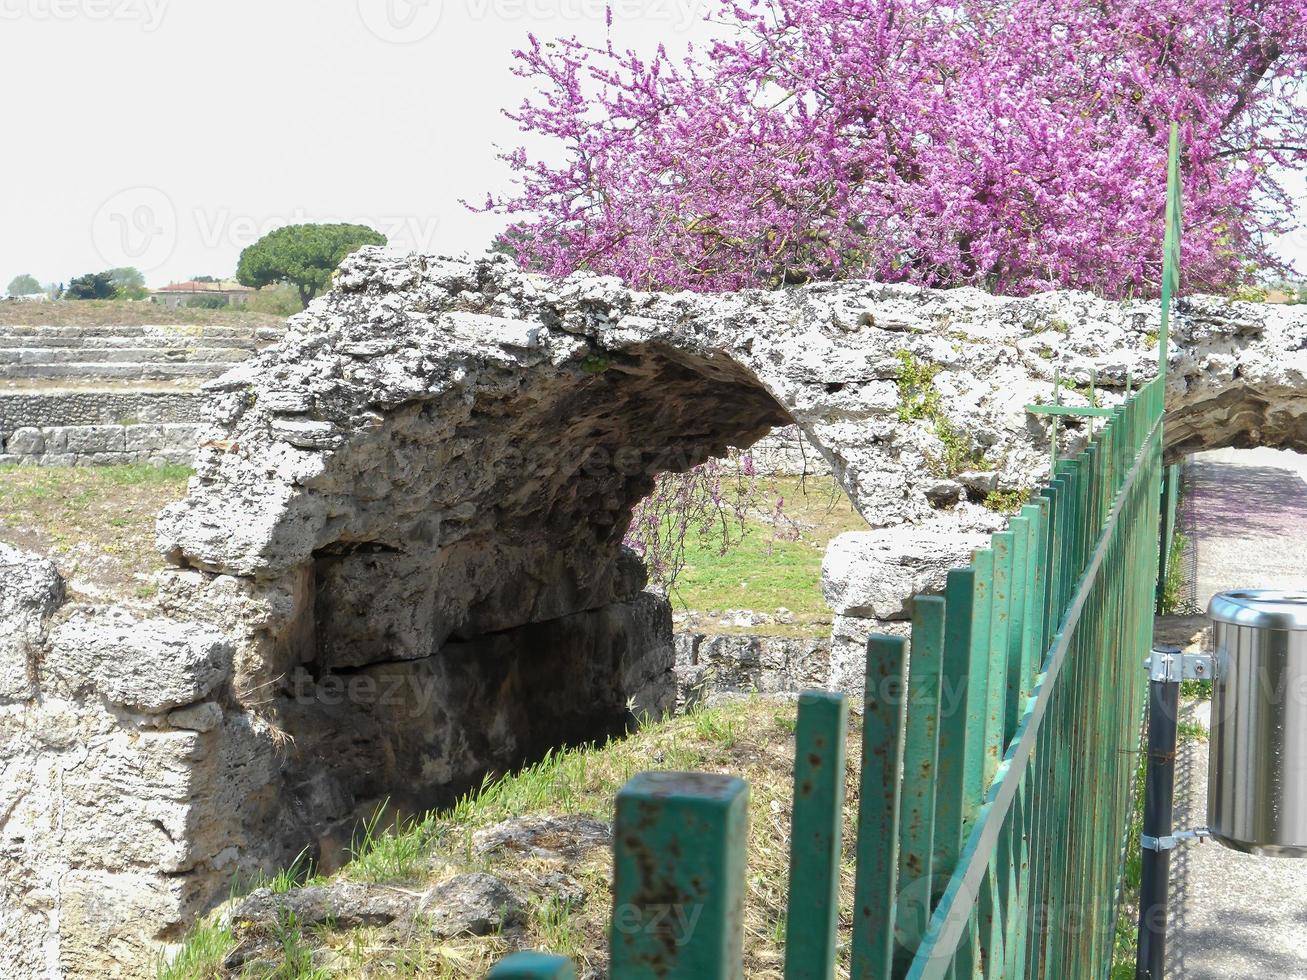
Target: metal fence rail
[(1033, 892), (996, 766)]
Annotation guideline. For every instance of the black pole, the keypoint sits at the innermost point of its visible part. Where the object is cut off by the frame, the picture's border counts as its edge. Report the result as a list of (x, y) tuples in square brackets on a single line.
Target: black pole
[(1159, 789)]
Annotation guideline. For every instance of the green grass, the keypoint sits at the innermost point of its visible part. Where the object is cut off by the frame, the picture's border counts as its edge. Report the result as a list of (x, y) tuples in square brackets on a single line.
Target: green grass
[(752, 738), (390, 854), (713, 727), (1175, 588), (295, 955), (97, 519), (772, 568), (201, 955)]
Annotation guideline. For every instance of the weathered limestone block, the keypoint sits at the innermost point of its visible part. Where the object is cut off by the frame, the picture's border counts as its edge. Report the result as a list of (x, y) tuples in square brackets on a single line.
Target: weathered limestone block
[(161, 438), (848, 649), (875, 574), (85, 439), (30, 591), (741, 664), (307, 434), (147, 665), (105, 921), (115, 833), (25, 441)]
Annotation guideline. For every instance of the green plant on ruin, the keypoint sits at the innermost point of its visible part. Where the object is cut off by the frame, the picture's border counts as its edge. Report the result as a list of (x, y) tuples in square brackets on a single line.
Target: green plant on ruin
[(1007, 501), (918, 397), (920, 401), (959, 454)]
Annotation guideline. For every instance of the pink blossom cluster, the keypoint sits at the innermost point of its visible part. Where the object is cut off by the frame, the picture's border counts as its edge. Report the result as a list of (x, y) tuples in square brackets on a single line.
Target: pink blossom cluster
[(1016, 145)]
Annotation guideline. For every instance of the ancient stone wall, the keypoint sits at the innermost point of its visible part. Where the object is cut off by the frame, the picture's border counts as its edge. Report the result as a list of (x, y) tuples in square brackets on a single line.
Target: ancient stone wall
[(711, 665), (100, 445), (401, 561), (75, 396), (139, 777)]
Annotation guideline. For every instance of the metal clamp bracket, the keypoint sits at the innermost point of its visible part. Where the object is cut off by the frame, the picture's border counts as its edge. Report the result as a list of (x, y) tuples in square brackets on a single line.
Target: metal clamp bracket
[(1171, 841), (1171, 665)]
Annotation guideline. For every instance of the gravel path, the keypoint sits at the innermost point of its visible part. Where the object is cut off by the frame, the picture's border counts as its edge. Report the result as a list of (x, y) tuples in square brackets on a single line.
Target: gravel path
[(1234, 915)]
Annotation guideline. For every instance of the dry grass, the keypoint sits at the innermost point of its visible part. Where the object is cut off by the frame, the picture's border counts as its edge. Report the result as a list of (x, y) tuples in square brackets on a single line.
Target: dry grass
[(126, 313), (95, 523), (751, 738)]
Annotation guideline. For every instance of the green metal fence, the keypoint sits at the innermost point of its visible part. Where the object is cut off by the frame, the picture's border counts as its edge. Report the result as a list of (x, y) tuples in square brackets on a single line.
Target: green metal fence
[(997, 762)]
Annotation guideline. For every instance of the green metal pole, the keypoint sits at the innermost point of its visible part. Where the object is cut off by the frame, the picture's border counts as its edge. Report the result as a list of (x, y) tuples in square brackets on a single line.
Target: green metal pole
[(532, 966), (679, 845), (816, 832), (875, 889)]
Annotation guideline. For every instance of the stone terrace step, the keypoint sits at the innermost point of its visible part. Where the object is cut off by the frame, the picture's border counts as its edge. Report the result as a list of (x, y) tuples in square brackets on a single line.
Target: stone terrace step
[(110, 403), (48, 342), (191, 331), (132, 370), (122, 355)]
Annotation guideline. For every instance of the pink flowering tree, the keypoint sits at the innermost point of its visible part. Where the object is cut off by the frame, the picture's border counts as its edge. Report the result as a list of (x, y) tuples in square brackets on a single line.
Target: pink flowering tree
[(1016, 145)]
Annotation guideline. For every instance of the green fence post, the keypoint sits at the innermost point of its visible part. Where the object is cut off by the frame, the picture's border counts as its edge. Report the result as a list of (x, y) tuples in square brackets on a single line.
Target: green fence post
[(920, 775), (921, 747), (532, 966), (876, 886), (816, 832), (954, 746), (679, 844)]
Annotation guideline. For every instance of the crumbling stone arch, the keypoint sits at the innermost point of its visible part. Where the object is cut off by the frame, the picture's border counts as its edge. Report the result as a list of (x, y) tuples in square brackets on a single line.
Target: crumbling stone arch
[(399, 563), (446, 451)]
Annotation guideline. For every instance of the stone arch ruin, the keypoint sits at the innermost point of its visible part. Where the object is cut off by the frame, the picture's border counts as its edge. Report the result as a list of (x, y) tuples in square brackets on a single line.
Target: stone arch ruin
[(400, 565)]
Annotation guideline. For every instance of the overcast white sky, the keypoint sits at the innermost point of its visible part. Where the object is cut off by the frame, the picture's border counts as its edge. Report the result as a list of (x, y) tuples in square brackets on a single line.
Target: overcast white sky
[(170, 134)]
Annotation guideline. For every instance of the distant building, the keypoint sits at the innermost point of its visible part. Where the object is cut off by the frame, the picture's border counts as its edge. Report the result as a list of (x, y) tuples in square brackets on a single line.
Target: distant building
[(184, 293), (30, 298)]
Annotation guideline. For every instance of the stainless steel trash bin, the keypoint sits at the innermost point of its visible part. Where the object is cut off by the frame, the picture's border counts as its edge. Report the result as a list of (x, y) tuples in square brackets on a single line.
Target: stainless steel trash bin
[(1257, 776)]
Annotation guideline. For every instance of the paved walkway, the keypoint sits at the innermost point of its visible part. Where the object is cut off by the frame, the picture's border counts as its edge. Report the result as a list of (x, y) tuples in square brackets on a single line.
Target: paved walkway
[(1234, 915)]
